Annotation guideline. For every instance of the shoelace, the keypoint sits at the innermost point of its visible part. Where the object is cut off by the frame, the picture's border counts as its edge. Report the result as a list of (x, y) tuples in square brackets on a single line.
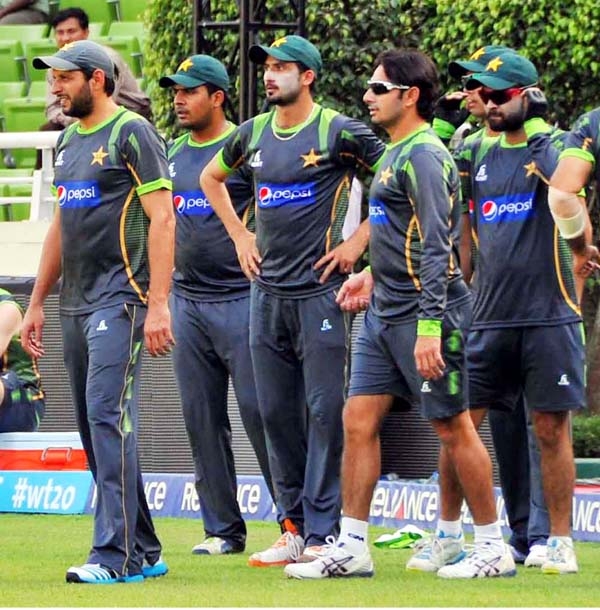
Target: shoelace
[(288, 539)]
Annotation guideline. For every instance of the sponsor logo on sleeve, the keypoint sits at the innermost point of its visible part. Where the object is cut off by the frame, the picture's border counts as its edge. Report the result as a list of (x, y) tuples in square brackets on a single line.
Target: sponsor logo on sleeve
[(509, 208), (78, 194), (276, 195), (191, 203), (377, 214)]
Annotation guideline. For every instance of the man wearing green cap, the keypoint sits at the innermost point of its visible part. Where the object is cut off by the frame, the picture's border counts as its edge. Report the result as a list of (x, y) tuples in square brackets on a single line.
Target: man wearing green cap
[(303, 158), (210, 305), (111, 240), (515, 446), (526, 334)]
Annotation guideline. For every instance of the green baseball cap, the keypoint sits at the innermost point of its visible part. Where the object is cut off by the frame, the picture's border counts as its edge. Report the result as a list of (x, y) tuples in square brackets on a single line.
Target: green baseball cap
[(289, 48), (477, 61), (504, 71), (198, 70), (83, 55)]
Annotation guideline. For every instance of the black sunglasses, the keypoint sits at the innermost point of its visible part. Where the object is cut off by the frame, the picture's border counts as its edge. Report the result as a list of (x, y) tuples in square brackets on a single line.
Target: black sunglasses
[(499, 97), (381, 87)]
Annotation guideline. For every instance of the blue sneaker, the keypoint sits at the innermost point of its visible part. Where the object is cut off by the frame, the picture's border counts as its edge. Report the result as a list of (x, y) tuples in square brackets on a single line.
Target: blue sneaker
[(158, 568), (97, 574)]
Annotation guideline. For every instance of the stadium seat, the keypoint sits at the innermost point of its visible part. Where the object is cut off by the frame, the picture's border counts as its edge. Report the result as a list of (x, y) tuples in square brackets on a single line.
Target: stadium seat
[(97, 10), (11, 89), (12, 61), (15, 211), (38, 88), (23, 33), (98, 28), (128, 47), (24, 114), (128, 28), (44, 46), (128, 10)]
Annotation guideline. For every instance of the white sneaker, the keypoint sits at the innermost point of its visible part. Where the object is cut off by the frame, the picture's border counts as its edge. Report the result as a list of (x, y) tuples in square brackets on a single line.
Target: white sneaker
[(312, 552), (286, 550), (536, 557), (335, 562), (482, 561), (213, 545), (561, 557), (437, 551)]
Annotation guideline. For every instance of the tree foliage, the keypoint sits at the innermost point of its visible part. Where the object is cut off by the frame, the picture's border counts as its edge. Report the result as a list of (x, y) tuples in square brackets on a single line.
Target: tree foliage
[(558, 37)]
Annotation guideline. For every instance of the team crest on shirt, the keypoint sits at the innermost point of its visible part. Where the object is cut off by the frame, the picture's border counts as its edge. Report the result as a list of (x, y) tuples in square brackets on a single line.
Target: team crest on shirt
[(311, 158), (98, 156)]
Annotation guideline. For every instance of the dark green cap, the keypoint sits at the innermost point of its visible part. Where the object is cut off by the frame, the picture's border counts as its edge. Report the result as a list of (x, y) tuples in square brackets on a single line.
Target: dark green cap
[(289, 48), (79, 55), (477, 61), (505, 71), (198, 70)]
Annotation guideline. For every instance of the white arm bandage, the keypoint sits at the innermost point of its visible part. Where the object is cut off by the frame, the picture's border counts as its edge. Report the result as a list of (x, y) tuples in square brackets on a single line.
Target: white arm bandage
[(567, 211)]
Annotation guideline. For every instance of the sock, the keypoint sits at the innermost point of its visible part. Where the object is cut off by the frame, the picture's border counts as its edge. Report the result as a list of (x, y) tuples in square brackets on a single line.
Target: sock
[(353, 535), (489, 534), (449, 528)]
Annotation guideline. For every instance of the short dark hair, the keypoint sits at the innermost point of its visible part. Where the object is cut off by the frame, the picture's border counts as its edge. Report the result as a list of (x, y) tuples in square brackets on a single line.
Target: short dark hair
[(414, 68), (303, 68), (109, 83), (69, 13)]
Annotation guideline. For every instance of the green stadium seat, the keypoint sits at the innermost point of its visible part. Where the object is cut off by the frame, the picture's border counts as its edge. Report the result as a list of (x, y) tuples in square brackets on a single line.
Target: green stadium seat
[(11, 89), (97, 10), (128, 28), (128, 10), (12, 61), (15, 211), (98, 28), (128, 47), (24, 114), (44, 46), (38, 88), (24, 33)]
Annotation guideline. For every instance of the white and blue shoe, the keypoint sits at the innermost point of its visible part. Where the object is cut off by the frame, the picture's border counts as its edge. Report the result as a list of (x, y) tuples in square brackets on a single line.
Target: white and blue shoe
[(216, 546), (97, 574), (158, 568), (437, 551)]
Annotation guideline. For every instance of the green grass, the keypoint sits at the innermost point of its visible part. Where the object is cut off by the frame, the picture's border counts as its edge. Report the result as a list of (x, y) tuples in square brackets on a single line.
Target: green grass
[(35, 550)]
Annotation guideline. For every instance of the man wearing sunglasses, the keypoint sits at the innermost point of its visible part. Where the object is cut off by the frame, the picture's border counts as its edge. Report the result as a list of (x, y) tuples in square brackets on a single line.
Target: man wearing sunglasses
[(516, 449), (303, 158), (411, 343), (526, 332)]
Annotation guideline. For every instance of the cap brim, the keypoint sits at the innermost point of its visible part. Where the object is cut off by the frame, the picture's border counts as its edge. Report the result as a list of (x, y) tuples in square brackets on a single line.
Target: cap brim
[(45, 62), (258, 54), (493, 82), (180, 79), (460, 68)]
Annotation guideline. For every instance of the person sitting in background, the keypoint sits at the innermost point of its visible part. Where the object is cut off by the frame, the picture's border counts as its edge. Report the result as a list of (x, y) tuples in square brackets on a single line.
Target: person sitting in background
[(21, 396), (23, 12), (72, 24)]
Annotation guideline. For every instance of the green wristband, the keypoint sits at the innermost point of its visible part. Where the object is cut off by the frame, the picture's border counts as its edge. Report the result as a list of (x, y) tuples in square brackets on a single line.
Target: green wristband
[(429, 328)]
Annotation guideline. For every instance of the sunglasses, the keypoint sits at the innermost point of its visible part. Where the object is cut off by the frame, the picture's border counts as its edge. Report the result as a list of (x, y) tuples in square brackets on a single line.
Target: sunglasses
[(381, 87), (499, 97), (465, 79)]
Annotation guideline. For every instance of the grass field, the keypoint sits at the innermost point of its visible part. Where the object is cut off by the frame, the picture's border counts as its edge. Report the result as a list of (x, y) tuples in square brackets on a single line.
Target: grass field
[(35, 551)]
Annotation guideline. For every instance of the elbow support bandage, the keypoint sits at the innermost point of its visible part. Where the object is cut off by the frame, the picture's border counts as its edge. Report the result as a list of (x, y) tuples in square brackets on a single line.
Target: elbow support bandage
[(568, 213)]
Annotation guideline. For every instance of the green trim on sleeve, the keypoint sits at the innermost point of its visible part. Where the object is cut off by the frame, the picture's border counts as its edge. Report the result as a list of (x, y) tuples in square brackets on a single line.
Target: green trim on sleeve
[(155, 185), (429, 328), (221, 162), (584, 155), (368, 269), (443, 129)]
